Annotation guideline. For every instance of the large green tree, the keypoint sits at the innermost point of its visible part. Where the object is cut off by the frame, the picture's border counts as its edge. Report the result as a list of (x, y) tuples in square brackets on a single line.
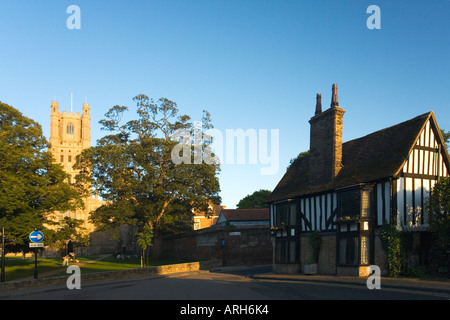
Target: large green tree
[(255, 200), (32, 185), (133, 170), (438, 206), (446, 136)]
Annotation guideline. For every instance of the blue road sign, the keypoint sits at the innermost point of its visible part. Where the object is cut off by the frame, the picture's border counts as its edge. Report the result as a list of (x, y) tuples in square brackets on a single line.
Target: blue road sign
[(36, 236)]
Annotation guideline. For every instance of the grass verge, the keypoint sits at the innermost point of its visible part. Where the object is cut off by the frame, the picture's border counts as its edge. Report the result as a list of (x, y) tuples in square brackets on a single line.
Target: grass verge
[(19, 268)]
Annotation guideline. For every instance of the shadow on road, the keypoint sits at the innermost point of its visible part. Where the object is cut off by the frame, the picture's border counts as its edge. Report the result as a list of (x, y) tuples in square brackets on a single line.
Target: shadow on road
[(245, 271)]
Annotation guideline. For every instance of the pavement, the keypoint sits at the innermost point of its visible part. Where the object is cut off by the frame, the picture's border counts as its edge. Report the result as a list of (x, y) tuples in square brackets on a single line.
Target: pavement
[(439, 286), (416, 284)]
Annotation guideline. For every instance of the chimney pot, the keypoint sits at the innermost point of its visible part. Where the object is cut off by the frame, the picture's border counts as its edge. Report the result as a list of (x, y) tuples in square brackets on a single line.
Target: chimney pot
[(318, 104), (334, 97)]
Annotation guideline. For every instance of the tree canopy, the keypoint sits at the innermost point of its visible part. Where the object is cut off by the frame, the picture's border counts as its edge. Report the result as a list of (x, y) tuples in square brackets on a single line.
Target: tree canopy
[(255, 201), (132, 169), (32, 185), (446, 136)]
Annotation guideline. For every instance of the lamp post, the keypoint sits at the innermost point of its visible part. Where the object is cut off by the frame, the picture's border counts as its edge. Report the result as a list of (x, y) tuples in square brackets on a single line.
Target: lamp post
[(2, 278), (35, 273)]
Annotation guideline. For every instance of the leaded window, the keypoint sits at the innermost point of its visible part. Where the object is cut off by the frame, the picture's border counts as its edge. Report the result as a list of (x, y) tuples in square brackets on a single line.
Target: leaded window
[(286, 251), (354, 233), (349, 204), (285, 230)]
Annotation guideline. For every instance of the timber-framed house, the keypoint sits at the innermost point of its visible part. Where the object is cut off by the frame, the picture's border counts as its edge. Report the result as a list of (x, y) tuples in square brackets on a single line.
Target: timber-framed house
[(347, 191)]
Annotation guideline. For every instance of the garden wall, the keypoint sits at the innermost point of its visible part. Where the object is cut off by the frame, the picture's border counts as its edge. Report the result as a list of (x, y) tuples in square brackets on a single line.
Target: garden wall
[(243, 245)]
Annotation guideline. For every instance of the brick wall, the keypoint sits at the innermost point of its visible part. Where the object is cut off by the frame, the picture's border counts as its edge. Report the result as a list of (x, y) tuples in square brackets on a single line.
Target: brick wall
[(247, 245), (326, 145)]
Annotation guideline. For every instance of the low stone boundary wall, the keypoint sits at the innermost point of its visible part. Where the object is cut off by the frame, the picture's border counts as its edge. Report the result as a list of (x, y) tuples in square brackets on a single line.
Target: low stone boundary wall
[(110, 275)]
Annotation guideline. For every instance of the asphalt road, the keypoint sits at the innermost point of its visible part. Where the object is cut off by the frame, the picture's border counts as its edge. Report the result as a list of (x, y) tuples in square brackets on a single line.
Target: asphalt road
[(227, 284)]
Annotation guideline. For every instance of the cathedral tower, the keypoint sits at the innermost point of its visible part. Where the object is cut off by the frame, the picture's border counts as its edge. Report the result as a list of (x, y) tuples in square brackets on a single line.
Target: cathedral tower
[(70, 133)]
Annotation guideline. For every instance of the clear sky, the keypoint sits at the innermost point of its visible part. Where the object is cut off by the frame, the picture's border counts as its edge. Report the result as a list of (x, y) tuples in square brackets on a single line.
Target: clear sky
[(253, 64)]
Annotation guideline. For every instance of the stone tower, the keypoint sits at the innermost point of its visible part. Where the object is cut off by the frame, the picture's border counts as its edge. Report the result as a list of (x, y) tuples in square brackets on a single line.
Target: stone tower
[(70, 133)]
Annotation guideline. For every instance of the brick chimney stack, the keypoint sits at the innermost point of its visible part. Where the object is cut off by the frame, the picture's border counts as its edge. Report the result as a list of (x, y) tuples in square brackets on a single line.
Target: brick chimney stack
[(326, 141)]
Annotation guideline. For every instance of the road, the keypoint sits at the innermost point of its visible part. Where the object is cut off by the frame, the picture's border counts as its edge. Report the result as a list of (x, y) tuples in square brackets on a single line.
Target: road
[(228, 284)]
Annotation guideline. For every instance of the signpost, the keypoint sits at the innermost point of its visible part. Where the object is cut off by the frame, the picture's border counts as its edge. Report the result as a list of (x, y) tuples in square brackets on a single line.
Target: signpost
[(36, 245), (36, 237)]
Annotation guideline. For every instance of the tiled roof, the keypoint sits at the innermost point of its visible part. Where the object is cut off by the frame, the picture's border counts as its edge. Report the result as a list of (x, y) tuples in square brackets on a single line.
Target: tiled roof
[(373, 157), (246, 214)]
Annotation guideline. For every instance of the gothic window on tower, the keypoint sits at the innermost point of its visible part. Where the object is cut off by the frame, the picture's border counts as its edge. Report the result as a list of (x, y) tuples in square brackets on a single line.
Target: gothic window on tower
[(70, 128)]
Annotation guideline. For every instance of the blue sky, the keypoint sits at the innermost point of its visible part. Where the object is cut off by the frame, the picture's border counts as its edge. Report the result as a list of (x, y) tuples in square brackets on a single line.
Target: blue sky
[(252, 64)]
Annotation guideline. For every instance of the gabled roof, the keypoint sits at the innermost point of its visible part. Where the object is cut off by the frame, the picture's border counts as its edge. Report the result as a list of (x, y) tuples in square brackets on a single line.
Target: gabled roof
[(246, 214), (376, 156)]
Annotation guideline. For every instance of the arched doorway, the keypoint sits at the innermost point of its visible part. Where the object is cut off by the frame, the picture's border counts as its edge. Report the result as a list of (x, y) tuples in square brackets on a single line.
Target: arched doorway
[(69, 247)]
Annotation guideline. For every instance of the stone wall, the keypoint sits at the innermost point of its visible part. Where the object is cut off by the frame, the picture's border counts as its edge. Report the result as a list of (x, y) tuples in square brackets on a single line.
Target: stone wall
[(327, 253), (380, 255)]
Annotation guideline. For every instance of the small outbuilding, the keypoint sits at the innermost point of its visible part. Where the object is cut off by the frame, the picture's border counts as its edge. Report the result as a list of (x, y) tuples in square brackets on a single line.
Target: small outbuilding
[(244, 217)]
